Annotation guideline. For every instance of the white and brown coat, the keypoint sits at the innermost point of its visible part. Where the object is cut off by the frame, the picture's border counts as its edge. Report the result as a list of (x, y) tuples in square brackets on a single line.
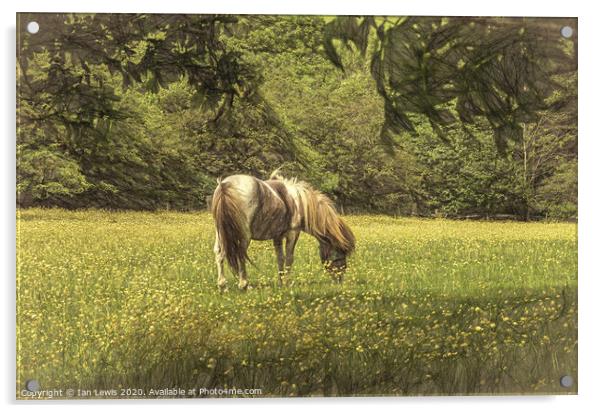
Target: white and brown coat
[(246, 208)]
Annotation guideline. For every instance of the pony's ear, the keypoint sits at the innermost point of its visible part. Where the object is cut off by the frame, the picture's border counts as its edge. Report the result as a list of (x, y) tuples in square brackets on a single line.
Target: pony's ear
[(276, 173)]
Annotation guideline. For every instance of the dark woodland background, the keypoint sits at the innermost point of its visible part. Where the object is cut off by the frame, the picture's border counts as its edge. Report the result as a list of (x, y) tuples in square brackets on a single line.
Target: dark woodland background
[(402, 115)]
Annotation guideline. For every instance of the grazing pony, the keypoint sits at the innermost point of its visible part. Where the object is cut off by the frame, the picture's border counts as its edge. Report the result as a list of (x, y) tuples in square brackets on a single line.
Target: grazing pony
[(246, 208)]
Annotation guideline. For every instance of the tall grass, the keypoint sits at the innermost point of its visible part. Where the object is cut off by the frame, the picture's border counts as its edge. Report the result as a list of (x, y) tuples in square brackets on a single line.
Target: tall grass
[(111, 300)]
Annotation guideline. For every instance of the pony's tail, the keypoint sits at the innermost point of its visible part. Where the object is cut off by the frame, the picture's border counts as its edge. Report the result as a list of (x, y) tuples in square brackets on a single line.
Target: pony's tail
[(230, 222)]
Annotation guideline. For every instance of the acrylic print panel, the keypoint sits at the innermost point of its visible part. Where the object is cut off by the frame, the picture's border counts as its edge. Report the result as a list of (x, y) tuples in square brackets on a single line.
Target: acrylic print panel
[(287, 206)]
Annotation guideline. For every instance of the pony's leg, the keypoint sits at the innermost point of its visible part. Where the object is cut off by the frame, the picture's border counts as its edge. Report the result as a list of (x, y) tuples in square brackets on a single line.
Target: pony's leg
[(242, 272), (242, 276), (219, 261), (291, 241), (280, 258)]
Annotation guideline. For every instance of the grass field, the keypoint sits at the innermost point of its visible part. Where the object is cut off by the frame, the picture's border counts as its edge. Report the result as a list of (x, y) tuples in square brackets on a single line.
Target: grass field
[(128, 300)]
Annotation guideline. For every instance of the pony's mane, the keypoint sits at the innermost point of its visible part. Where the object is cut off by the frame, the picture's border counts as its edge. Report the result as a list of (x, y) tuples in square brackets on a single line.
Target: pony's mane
[(319, 214)]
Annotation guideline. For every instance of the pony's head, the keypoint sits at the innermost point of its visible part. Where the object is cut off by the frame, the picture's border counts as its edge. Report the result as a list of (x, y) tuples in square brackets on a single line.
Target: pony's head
[(336, 247), (336, 240), (321, 220)]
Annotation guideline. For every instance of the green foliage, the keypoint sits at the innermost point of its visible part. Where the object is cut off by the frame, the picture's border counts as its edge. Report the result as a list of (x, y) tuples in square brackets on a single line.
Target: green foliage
[(146, 111), (501, 69), (463, 175), (337, 132), (558, 193), (45, 176)]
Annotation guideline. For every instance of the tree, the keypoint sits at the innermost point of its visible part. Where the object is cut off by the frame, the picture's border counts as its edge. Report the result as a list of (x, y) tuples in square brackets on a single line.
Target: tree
[(152, 49), (463, 175), (334, 117), (547, 155), (500, 69), (81, 82)]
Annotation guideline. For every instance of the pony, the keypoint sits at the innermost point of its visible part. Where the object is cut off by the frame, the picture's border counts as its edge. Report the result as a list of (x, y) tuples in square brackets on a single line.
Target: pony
[(246, 208)]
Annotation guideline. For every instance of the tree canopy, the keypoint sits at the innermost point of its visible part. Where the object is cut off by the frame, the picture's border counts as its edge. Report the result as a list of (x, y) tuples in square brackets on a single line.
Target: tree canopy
[(500, 69)]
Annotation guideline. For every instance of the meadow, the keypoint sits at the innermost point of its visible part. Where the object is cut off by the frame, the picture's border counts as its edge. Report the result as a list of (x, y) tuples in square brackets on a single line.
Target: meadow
[(128, 300)]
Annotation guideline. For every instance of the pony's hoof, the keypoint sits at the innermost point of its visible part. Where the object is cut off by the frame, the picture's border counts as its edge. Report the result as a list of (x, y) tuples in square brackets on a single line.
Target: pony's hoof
[(243, 285)]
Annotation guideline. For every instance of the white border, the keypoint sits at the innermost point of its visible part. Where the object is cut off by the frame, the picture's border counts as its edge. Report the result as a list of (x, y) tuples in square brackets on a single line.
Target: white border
[(589, 198), (381, 7)]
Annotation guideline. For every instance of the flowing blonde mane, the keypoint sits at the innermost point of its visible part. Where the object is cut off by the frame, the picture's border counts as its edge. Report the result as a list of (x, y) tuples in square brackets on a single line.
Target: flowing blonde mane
[(319, 214)]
